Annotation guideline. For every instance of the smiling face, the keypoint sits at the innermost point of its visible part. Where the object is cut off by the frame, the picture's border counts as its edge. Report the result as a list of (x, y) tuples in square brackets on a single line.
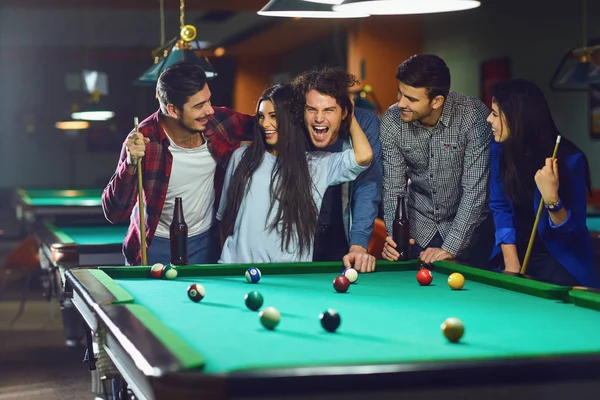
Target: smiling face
[(323, 117), (267, 120), (414, 103), (497, 120), (196, 111)]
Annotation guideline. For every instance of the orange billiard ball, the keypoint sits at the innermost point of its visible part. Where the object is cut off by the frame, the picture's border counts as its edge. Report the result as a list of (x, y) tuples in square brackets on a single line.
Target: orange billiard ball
[(453, 329), (424, 277), (456, 281)]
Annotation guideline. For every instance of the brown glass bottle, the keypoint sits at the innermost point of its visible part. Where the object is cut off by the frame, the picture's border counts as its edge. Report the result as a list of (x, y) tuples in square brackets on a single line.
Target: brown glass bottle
[(179, 235), (400, 232)]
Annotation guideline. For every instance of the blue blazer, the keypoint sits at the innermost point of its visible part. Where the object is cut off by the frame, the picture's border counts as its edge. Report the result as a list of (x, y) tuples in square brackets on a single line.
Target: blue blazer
[(569, 242)]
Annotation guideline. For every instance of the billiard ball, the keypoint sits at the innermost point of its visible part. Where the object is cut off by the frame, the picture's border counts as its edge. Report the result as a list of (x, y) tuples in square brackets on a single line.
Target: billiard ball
[(253, 275), (269, 317), (156, 270), (196, 292), (424, 276), (456, 281), (169, 272), (341, 284), (254, 300), (330, 320), (351, 274), (453, 329)]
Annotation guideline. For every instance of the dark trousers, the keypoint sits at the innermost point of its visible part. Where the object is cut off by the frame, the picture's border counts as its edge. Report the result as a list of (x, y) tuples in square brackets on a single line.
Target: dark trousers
[(478, 251), (542, 266), (329, 246)]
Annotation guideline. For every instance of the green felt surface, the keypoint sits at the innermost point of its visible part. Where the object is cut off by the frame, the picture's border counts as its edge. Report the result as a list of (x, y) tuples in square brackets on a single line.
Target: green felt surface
[(66, 197), (386, 318), (593, 223), (91, 235), (121, 296), (180, 349)]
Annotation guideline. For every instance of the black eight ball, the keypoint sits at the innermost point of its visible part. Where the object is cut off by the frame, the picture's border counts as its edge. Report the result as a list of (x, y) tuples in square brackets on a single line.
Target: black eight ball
[(330, 320)]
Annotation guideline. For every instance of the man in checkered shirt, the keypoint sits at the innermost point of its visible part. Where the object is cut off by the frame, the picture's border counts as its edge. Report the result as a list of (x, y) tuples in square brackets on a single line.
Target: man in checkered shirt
[(440, 141)]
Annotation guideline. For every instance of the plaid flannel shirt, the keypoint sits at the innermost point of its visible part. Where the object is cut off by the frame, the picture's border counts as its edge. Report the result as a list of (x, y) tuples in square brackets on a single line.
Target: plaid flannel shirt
[(448, 167), (225, 130)]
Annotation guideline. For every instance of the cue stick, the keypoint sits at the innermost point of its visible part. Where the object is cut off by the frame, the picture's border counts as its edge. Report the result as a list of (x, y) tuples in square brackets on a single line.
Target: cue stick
[(537, 219), (141, 202)]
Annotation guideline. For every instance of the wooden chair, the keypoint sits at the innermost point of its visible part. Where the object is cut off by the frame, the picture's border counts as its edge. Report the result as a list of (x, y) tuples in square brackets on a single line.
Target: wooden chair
[(377, 239), (24, 260)]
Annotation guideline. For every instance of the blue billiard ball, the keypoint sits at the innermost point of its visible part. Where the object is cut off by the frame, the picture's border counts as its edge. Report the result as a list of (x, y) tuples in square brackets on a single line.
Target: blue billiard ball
[(253, 275)]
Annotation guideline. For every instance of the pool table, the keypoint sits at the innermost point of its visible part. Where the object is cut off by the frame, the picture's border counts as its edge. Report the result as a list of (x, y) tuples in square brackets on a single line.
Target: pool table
[(35, 204), (522, 337), (63, 246)]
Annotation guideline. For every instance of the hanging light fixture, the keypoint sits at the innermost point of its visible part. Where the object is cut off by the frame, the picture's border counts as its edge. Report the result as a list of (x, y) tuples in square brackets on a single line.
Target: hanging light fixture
[(399, 7), (306, 9), (332, 2), (182, 48), (585, 64)]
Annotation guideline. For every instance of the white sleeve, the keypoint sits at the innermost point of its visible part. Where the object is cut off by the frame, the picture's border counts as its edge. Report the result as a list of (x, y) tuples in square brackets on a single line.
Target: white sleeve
[(342, 167)]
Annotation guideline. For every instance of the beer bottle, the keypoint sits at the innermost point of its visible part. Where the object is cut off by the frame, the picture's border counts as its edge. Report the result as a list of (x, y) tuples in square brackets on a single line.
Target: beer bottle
[(400, 232), (179, 235)]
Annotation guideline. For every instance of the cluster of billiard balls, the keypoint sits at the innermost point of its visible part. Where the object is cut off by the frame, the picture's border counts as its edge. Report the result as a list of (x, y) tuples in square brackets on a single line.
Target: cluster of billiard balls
[(161, 271), (341, 283), (452, 328), (456, 281), (270, 316)]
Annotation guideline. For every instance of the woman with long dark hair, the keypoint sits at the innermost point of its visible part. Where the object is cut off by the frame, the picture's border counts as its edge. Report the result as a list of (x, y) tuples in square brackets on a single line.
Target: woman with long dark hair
[(523, 174), (273, 189)]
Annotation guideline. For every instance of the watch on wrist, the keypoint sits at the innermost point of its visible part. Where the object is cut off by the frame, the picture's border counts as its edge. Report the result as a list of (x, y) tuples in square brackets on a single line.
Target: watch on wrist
[(554, 207)]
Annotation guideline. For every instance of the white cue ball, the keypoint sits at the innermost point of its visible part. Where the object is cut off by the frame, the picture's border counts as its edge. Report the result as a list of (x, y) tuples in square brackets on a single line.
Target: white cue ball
[(351, 274)]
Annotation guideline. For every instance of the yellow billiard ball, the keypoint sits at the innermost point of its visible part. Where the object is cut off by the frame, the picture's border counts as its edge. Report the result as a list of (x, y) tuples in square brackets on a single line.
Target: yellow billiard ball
[(453, 329), (456, 281)]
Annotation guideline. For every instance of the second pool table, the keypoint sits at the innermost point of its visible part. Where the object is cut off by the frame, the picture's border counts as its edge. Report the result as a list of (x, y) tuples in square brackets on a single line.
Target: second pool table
[(35, 204), (63, 246), (522, 338)]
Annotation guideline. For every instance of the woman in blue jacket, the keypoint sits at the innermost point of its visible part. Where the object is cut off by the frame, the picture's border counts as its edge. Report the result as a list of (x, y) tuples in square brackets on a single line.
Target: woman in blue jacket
[(523, 174)]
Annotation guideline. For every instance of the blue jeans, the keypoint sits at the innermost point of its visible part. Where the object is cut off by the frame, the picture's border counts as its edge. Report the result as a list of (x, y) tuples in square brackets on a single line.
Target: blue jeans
[(204, 248)]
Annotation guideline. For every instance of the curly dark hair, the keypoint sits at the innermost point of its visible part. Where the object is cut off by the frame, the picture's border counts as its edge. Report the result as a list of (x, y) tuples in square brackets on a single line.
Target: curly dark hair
[(330, 81)]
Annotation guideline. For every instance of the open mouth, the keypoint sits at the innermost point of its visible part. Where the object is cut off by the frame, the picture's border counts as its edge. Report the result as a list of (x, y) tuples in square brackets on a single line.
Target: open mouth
[(270, 134), (320, 132)]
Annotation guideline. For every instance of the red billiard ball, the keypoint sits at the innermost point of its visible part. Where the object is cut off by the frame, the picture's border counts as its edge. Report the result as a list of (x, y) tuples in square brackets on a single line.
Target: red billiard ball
[(341, 284), (424, 277)]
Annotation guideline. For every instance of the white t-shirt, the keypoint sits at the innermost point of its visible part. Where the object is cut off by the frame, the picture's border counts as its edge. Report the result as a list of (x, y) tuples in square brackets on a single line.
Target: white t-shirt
[(192, 179)]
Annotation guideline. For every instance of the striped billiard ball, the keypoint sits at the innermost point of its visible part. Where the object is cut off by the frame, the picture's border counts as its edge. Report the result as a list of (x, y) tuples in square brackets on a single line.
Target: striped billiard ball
[(196, 292), (156, 270), (253, 275), (351, 274), (169, 272)]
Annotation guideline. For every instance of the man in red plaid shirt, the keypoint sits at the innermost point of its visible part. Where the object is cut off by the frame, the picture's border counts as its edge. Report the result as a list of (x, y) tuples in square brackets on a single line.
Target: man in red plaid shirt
[(185, 147)]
